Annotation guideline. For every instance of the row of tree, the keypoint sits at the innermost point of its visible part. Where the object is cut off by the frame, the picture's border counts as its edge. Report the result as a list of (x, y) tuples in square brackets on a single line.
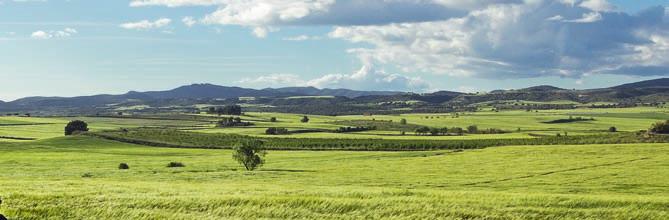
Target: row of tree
[(225, 110)]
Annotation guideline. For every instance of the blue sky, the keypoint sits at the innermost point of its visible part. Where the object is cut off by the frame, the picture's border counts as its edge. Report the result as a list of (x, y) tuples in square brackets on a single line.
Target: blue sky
[(81, 47)]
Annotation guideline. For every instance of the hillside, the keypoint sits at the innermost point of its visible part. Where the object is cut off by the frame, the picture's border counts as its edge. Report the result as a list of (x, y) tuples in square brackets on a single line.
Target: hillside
[(345, 101)]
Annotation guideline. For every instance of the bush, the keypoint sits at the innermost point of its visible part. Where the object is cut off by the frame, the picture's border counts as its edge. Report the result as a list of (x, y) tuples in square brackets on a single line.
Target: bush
[(175, 164), (472, 129), (76, 126), (249, 153), (123, 166), (87, 175), (403, 121), (276, 131), (305, 119), (613, 129), (273, 119), (660, 127)]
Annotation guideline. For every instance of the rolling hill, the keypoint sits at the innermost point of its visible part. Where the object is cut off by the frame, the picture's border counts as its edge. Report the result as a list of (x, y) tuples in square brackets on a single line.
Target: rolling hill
[(645, 91)]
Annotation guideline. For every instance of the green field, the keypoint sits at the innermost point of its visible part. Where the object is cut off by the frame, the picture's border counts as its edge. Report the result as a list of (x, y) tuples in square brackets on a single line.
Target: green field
[(44, 180), (77, 177)]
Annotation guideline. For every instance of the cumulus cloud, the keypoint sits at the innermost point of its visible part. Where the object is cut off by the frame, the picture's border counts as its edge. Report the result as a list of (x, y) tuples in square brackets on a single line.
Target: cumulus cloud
[(367, 78), (146, 24), (274, 13), (520, 40), (482, 38), (189, 21), (44, 35), (302, 38)]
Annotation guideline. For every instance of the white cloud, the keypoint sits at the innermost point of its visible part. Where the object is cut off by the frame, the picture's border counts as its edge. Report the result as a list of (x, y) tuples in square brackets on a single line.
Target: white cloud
[(598, 5), (302, 38), (273, 13), (146, 24), (519, 40), (367, 78), (189, 21), (274, 80), (44, 35), (260, 32), (588, 18), (174, 3)]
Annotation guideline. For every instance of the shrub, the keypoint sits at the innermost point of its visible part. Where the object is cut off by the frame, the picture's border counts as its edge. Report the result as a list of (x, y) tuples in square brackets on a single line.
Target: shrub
[(273, 119), (660, 127), (123, 166), (87, 175), (305, 119), (613, 129), (76, 126), (276, 131), (403, 121), (472, 129), (175, 164), (249, 153)]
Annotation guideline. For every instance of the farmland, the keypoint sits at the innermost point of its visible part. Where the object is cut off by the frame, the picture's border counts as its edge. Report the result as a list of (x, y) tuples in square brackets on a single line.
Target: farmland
[(528, 172)]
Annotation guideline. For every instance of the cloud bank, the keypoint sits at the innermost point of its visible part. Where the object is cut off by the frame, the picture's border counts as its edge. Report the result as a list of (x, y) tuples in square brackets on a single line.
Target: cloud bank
[(477, 38)]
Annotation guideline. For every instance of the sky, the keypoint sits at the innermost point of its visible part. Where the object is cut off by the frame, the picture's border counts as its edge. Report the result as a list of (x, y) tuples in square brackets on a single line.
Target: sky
[(84, 47)]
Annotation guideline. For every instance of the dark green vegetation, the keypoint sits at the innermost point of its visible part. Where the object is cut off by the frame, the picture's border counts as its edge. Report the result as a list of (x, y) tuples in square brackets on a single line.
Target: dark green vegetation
[(660, 127), (184, 139), (76, 126)]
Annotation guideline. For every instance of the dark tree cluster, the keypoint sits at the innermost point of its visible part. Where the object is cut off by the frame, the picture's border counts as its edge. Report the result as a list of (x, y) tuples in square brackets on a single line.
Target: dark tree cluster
[(232, 122), (226, 110), (354, 129), (76, 126), (660, 128), (276, 131)]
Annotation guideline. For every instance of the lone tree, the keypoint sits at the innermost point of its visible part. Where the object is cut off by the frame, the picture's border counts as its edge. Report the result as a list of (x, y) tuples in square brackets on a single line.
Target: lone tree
[(249, 153), (76, 126), (272, 119), (613, 129), (305, 119), (403, 121)]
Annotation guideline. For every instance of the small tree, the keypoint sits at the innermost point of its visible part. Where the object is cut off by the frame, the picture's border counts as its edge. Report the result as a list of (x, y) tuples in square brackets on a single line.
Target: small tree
[(472, 129), (305, 119), (273, 119), (613, 129), (249, 153), (76, 126), (403, 121)]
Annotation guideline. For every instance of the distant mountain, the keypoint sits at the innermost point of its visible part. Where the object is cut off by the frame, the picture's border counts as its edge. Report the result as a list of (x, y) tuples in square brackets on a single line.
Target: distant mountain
[(542, 88), (645, 91), (311, 91), (655, 83), (209, 91)]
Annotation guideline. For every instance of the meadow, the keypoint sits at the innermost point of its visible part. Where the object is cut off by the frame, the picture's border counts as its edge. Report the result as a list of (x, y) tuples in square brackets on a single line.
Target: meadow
[(78, 178), (589, 174)]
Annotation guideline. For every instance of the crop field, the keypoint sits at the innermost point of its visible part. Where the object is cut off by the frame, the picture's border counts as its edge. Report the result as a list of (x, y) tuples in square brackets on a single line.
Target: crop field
[(527, 172), (77, 177)]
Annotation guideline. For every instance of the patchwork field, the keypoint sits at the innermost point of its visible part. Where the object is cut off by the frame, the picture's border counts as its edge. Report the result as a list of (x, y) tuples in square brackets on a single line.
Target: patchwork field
[(77, 177)]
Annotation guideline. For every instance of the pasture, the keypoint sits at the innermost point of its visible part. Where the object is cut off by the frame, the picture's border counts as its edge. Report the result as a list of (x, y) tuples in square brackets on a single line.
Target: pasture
[(549, 177), (77, 177)]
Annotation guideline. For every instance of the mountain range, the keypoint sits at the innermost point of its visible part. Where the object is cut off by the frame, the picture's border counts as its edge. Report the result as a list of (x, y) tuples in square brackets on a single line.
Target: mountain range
[(656, 90)]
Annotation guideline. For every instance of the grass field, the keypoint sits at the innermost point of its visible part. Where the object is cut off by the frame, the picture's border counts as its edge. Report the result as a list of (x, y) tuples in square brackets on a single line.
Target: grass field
[(77, 177), (43, 180)]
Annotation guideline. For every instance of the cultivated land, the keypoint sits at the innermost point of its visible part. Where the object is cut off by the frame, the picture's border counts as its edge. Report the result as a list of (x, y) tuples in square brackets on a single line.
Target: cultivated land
[(77, 177)]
